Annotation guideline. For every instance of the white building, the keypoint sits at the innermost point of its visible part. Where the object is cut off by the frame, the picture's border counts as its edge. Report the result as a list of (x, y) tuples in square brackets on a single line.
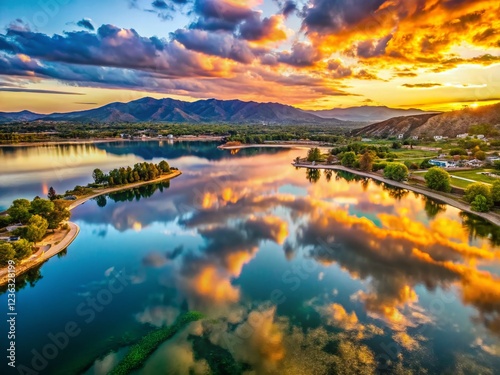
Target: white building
[(463, 136), (474, 163), (401, 136)]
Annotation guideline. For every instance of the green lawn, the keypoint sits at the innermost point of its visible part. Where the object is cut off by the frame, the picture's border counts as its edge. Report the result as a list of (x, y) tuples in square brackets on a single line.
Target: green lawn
[(460, 183), (473, 175), (416, 156)]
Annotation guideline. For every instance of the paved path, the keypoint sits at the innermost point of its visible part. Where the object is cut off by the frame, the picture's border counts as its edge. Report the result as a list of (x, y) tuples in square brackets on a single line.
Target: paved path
[(493, 218), (43, 256)]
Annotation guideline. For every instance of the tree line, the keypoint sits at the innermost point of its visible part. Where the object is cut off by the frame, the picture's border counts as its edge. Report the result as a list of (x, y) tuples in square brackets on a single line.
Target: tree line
[(126, 175)]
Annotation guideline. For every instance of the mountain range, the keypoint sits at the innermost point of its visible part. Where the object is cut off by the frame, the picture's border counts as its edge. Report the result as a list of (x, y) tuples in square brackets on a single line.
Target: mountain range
[(448, 124), (366, 113), (171, 110), (212, 110)]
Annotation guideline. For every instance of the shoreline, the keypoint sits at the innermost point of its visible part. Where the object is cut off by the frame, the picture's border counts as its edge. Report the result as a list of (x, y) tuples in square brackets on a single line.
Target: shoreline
[(75, 141), (74, 229), (297, 146), (490, 217)]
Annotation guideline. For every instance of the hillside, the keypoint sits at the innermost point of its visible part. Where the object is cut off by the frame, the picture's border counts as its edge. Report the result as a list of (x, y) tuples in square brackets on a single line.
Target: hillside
[(368, 114), (19, 116), (170, 110), (448, 124)]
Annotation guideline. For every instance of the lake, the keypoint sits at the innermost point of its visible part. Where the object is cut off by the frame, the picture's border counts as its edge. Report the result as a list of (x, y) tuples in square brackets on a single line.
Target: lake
[(296, 271)]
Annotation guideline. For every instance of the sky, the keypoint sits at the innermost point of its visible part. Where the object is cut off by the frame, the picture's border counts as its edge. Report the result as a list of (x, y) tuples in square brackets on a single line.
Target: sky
[(67, 55)]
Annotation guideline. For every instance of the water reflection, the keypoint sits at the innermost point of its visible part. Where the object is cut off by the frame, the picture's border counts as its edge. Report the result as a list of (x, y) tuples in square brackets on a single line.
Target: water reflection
[(367, 229), (329, 273)]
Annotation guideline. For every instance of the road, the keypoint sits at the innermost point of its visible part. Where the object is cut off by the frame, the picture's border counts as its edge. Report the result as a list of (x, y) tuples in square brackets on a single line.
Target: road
[(491, 217)]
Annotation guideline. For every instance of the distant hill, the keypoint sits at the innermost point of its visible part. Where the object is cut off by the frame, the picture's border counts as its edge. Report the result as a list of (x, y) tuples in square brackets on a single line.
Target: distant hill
[(170, 110), (448, 124), (368, 114), (19, 116)]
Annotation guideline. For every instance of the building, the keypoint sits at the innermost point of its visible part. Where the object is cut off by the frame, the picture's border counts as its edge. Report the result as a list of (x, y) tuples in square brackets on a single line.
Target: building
[(480, 136), (438, 138), (440, 163), (414, 137), (492, 159), (474, 163), (401, 136), (462, 136), (170, 136)]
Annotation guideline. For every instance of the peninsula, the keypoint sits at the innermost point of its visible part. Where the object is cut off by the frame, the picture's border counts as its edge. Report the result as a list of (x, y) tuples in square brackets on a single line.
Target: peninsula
[(66, 232)]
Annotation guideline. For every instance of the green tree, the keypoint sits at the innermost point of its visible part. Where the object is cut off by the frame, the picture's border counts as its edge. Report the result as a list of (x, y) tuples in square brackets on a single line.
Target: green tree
[(52, 195), (23, 248), (19, 211), (7, 253), (478, 188), (396, 171), (396, 145), (425, 164), (348, 159), (480, 204), (36, 229), (495, 192), (98, 176), (164, 167), (480, 155), (42, 207), (438, 179), (366, 161), (5, 220), (314, 154), (458, 151), (59, 214)]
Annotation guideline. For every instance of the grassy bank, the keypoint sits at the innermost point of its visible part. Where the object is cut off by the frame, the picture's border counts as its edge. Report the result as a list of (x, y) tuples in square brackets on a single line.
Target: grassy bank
[(140, 352)]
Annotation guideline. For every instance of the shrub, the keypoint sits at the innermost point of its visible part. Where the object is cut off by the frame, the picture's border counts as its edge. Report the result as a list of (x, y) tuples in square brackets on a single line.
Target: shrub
[(438, 179), (378, 166), (475, 189), (425, 164), (495, 192), (480, 204), (348, 159), (396, 171)]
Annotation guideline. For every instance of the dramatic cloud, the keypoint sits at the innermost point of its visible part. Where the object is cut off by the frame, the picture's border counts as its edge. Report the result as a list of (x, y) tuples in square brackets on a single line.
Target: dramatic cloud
[(38, 91), (263, 30), (220, 14), (218, 44), (232, 48), (86, 24), (421, 85)]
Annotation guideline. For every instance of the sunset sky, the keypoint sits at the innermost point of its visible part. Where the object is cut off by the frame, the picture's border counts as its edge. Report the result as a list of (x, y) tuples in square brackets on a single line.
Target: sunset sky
[(66, 55)]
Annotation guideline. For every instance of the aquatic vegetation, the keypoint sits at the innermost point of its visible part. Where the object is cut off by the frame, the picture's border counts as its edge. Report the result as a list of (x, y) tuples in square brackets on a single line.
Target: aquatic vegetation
[(140, 352)]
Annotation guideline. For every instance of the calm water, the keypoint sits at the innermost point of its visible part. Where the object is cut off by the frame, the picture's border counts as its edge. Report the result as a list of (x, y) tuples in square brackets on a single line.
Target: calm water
[(297, 272)]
